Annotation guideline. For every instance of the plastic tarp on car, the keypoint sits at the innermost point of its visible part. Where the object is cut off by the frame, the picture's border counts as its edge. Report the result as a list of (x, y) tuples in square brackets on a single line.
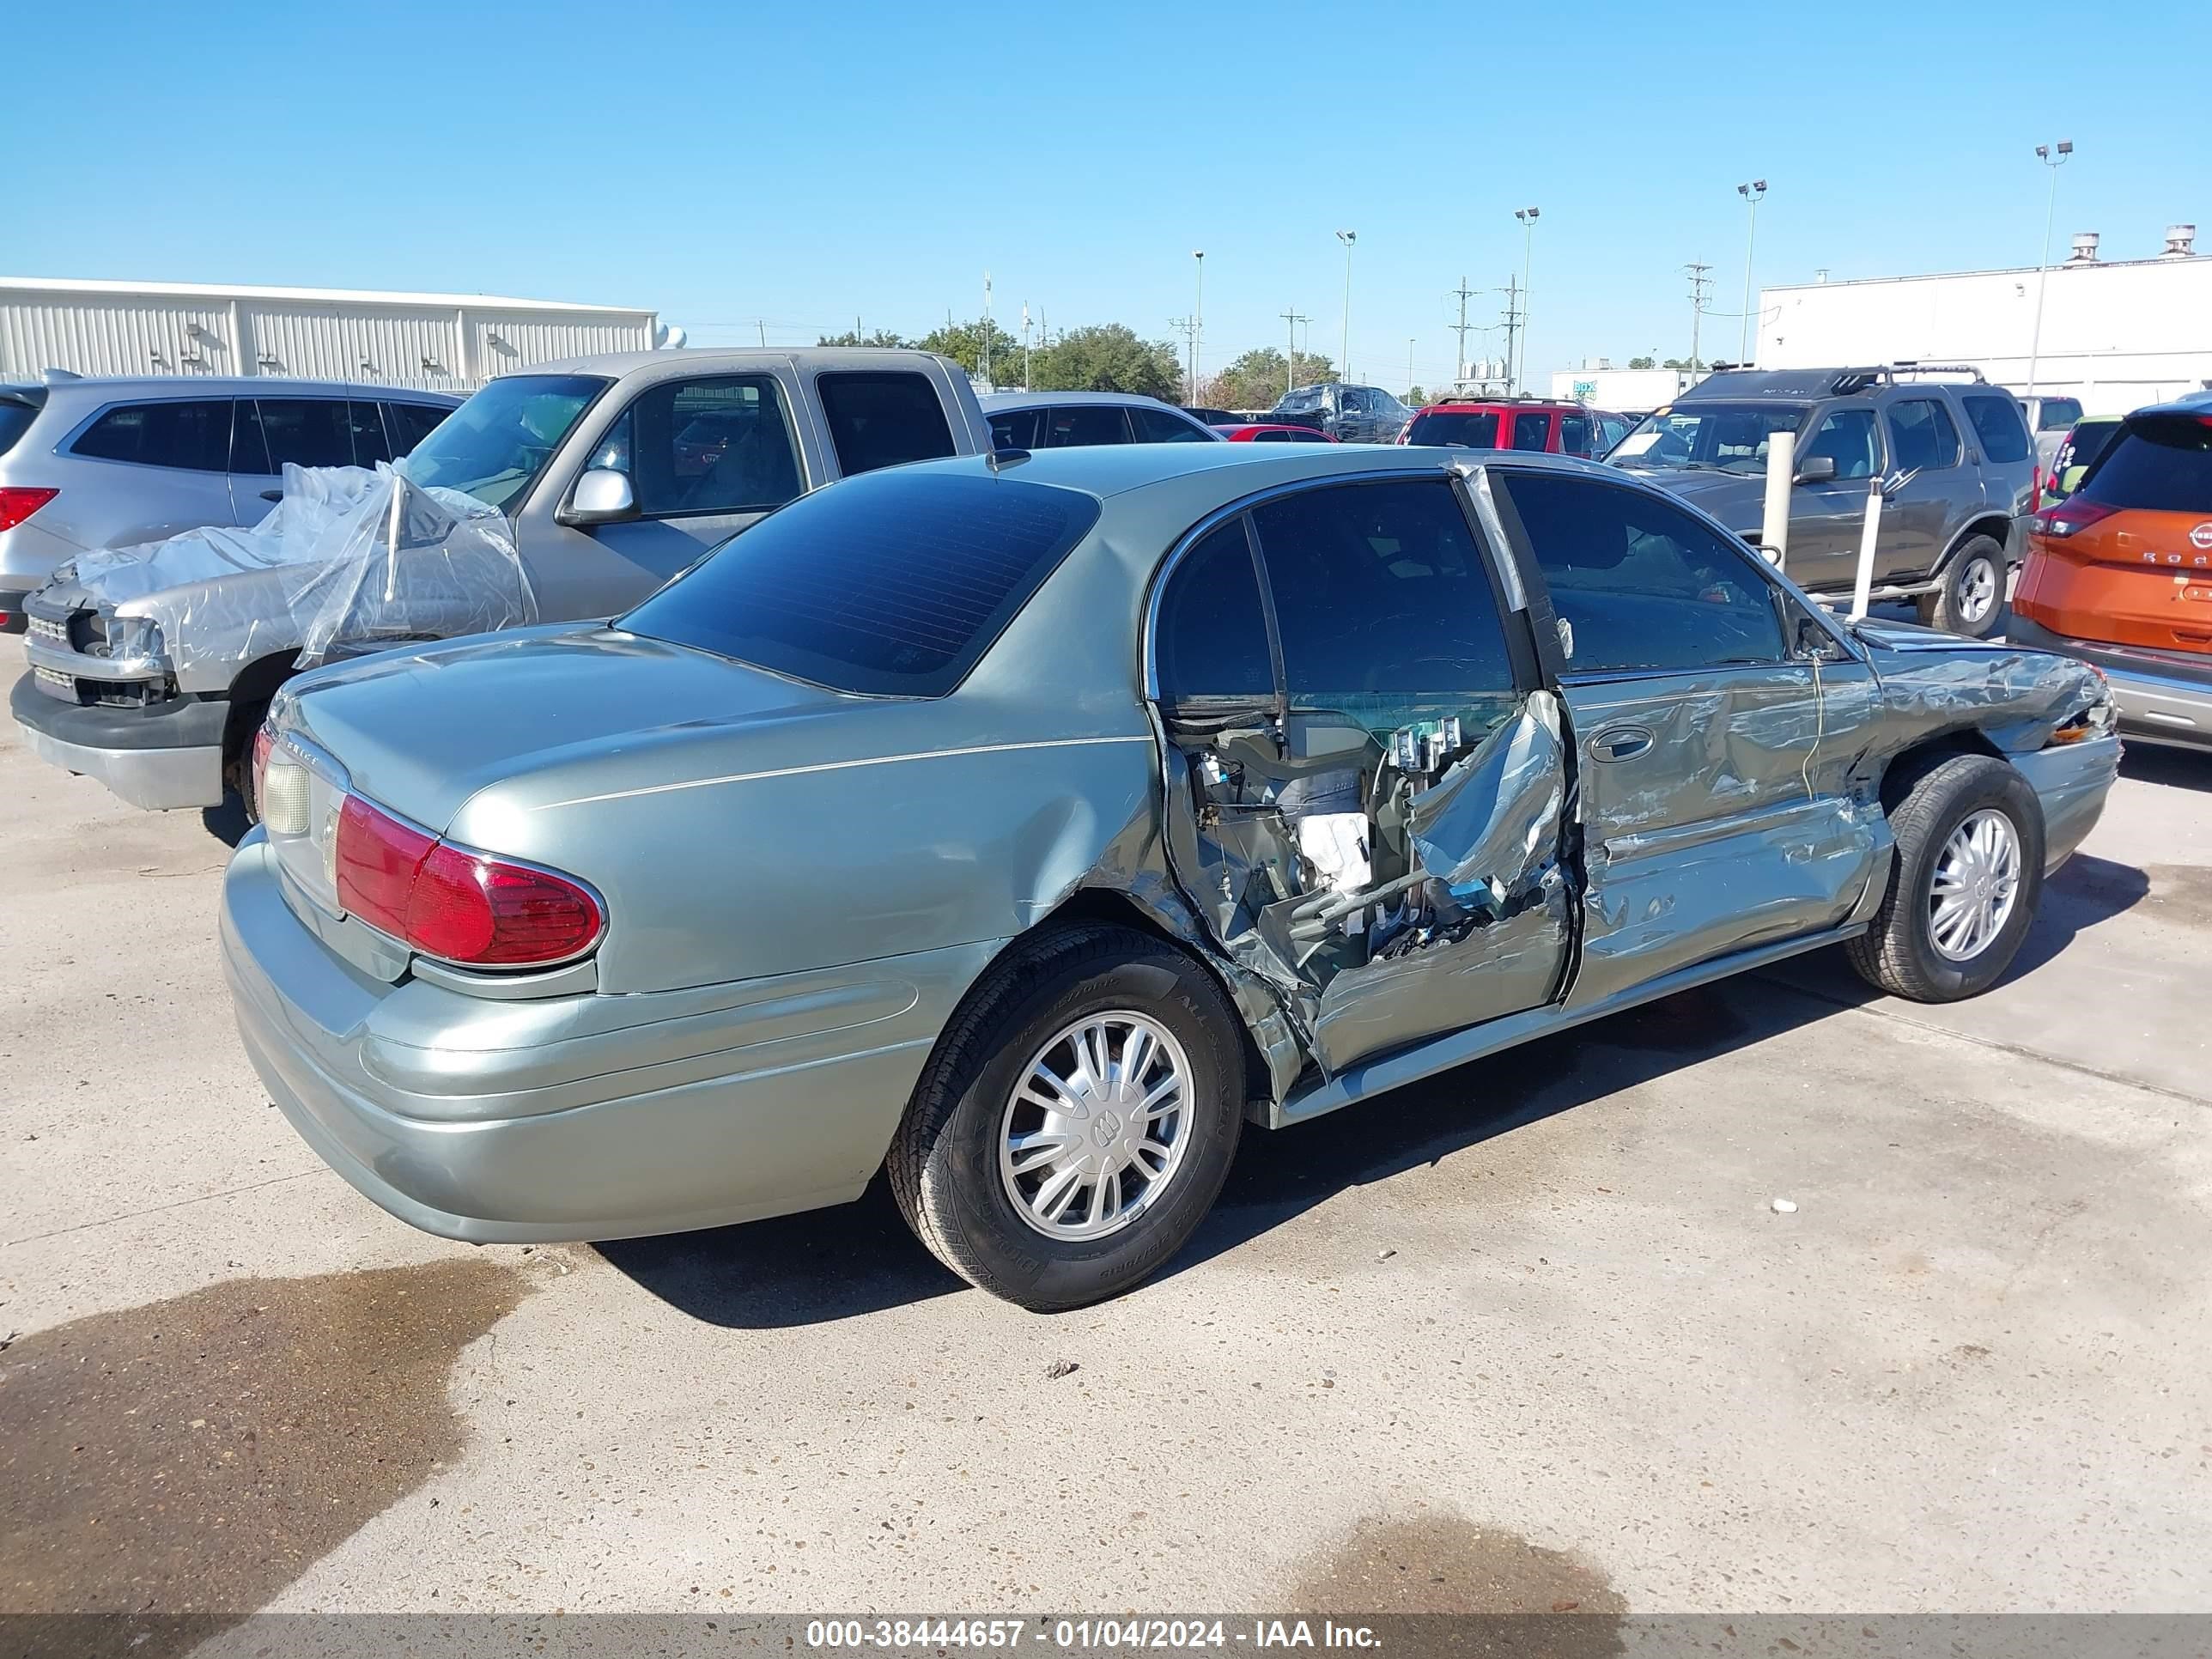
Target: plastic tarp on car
[(349, 558)]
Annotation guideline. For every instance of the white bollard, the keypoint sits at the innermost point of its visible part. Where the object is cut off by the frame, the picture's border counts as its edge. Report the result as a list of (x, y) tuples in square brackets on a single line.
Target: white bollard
[(1867, 537), (1781, 474)]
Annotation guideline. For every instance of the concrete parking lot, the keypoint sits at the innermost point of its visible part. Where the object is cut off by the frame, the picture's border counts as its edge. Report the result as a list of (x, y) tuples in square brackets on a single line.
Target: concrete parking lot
[(1532, 1336)]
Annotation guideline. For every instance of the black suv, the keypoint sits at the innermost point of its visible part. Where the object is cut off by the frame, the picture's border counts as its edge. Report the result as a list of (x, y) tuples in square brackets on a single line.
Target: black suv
[(1349, 414), (1957, 465)]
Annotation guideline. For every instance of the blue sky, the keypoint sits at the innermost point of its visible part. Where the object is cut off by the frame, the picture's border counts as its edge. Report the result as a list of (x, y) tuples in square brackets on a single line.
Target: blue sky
[(805, 165)]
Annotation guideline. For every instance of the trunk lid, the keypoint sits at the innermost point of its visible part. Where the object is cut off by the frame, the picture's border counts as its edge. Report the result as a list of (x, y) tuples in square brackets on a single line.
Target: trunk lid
[(420, 731)]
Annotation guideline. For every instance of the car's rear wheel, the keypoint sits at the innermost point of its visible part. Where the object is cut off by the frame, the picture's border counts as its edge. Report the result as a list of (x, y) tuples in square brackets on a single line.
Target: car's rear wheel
[(1972, 600), (1964, 885), (238, 733), (1077, 1121)]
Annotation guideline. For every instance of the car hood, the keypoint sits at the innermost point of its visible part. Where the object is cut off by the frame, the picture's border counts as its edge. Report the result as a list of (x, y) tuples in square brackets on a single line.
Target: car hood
[(424, 729), (1738, 499)]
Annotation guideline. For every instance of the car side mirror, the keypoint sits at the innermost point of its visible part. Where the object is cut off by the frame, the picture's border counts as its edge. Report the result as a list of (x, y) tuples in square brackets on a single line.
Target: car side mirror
[(1816, 469), (602, 495)]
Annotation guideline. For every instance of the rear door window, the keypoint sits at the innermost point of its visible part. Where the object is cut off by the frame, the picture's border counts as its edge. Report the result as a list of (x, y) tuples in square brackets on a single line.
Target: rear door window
[(710, 446), (1016, 429), (883, 419), (1381, 594), (1575, 434), (305, 431), (1532, 430), (1997, 424), (1922, 437), (1640, 584), (894, 584), (1163, 426), (2157, 464), (1076, 424), (370, 445), (192, 435)]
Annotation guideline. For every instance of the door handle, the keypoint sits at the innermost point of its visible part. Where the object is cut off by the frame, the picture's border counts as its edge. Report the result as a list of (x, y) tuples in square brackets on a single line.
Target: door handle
[(1621, 742), (272, 494)]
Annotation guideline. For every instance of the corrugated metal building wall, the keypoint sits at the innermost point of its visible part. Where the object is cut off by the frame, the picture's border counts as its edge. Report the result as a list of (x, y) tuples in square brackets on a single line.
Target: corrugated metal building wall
[(434, 341), (2115, 334)]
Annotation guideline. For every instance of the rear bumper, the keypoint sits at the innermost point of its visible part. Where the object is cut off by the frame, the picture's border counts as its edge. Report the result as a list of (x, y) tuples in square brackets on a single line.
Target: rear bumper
[(582, 1116), (2164, 696), (163, 756)]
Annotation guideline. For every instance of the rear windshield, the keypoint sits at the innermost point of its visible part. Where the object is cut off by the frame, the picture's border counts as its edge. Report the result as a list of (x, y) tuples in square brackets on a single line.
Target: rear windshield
[(890, 585), (1469, 428), (2159, 464), (15, 420), (2056, 414)]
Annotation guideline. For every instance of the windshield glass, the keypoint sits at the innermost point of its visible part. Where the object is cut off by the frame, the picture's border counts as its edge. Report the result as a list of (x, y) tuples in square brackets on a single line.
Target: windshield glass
[(15, 418), (1303, 401), (493, 446), (1708, 437)]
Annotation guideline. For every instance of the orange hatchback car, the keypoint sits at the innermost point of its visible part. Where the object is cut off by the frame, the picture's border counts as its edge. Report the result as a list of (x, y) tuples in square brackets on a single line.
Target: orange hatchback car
[(2119, 573)]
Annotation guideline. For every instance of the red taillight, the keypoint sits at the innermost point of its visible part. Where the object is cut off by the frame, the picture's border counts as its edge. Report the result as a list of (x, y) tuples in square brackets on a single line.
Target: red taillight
[(18, 503), (448, 902), (2070, 515)]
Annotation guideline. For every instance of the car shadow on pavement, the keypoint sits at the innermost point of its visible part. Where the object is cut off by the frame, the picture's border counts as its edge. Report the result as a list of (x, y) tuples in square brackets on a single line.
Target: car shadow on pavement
[(805, 1269), (860, 1258), (226, 823), (2176, 768)]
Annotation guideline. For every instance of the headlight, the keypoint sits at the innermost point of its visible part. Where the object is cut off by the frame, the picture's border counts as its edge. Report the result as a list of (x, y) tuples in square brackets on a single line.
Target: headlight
[(133, 637)]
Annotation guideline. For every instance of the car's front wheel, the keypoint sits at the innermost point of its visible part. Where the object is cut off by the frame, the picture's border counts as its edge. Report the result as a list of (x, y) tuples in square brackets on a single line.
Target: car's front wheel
[(1077, 1121), (1972, 600), (1964, 885)]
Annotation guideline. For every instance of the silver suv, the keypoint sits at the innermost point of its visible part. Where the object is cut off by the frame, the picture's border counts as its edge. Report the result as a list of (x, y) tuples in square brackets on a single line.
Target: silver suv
[(1957, 465), (112, 462)]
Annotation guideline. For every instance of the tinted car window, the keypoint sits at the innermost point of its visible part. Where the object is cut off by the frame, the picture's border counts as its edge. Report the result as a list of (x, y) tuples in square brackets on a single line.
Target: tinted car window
[(1212, 639), (1641, 584), (2157, 464), (366, 421), (409, 423), (2056, 414), (1921, 436), (1997, 424), (1847, 437), (1531, 431), (15, 420), (194, 435), (1380, 590), (1085, 424), (882, 420), (1016, 429), (1158, 426), (1465, 429), (892, 585), (1574, 433), (1289, 435), (305, 431), (717, 445)]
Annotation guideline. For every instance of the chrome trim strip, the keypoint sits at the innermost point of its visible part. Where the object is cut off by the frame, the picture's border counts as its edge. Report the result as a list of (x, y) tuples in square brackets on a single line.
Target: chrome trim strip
[(62, 660)]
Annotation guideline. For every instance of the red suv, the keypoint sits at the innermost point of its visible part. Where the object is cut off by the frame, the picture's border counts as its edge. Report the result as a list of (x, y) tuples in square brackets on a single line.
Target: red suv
[(1518, 423)]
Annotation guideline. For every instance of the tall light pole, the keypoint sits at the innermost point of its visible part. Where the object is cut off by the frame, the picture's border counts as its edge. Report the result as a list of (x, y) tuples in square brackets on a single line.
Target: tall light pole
[(2042, 154), (1344, 357), (1197, 320), (1527, 216), (1751, 193)]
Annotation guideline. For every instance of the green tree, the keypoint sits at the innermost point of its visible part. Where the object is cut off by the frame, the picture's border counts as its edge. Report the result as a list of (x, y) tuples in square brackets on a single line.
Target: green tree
[(965, 344), (881, 337), (1641, 362), (1106, 357), (1415, 396), (1258, 378)]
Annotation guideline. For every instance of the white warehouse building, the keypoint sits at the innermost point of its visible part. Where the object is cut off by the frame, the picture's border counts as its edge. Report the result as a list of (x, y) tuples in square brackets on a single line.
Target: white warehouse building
[(434, 342), (2117, 334)]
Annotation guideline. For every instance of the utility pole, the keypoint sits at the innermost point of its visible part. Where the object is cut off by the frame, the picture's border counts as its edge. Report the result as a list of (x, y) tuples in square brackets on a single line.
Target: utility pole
[(1409, 365), (1751, 193), (1512, 326), (984, 352), (1290, 364), (1025, 345), (761, 323), (1463, 291), (1188, 327), (1700, 286), (2043, 270)]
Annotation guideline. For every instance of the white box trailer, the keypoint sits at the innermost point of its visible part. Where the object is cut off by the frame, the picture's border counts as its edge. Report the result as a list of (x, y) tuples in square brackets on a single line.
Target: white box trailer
[(434, 342)]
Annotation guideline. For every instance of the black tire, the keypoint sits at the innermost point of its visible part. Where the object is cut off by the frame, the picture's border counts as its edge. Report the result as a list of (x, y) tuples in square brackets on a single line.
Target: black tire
[(237, 736), (1898, 954), (1972, 601), (944, 1161)]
